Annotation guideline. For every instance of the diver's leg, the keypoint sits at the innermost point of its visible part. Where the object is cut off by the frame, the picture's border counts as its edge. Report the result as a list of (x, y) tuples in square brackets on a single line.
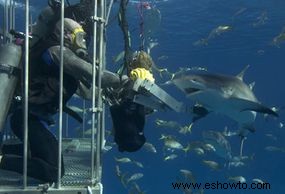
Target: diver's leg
[(36, 167), (15, 149), (43, 148)]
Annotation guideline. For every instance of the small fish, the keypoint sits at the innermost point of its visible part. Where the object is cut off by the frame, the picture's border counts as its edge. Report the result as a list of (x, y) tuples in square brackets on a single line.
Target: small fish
[(239, 12), (271, 136), (121, 176), (256, 180), (261, 19), (186, 129), (274, 149), (170, 157), (236, 164), (260, 52), (150, 46), (240, 179), (170, 142), (119, 57), (218, 31), (118, 171), (163, 57), (134, 177), (76, 109), (187, 148), (73, 146), (168, 124), (201, 42), (278, 40), (212, 164), (188, 175), (209, 147), (106, 148), (136, 189), (123, 160), (213, 34), (242, 158), (149, 147), (228, 133), (89, 131), (139, 164), (199, 151), (221, 144)]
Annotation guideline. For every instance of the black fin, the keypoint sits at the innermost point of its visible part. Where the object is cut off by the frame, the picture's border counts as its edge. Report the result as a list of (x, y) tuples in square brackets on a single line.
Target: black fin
[(72, 113), (247, 105), (199, 112)]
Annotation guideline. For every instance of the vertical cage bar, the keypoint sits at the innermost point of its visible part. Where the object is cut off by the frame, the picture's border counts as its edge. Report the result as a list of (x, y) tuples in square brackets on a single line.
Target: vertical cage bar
[(6, 20), (94, 59), (108, 12), (26, 94), (13, 14), (66, 125), (10, 17), (60, 95), (84, 118), (99, 101)]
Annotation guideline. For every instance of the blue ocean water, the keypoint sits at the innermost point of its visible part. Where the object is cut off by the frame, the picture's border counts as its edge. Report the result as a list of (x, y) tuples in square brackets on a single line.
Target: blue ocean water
[(184, 22)]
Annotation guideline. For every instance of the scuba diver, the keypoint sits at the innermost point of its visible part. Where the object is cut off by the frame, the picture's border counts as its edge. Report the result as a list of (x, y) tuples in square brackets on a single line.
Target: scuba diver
[(129, 117), (44, 100)]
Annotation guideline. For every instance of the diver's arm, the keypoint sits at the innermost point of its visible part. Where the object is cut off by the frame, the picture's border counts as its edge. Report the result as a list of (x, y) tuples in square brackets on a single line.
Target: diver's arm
[(80, 69), (85, 92)]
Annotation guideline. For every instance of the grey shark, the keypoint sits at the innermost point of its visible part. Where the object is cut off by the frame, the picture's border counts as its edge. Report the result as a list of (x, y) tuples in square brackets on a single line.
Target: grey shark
[(224, 94)]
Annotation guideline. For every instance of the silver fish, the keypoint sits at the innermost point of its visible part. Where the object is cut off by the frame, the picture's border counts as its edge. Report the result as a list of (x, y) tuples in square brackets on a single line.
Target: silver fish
[(134, 177), (220, 143), (123, 160), (149, 147)]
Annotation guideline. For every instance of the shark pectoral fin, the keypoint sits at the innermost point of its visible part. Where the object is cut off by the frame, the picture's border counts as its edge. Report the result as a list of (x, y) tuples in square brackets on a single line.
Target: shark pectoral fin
[(246, 105), (250, 127), (199, 112)]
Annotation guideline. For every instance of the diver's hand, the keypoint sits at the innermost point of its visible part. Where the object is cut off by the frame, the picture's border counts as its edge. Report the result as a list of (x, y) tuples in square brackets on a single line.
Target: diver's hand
[(141, 73)]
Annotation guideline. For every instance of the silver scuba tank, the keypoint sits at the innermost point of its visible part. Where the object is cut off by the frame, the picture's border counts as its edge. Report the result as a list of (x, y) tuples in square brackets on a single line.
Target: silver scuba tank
[(10, 57)]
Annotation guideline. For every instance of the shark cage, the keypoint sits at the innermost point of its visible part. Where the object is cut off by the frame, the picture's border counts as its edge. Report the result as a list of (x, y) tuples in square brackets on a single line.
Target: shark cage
[(82, 149)]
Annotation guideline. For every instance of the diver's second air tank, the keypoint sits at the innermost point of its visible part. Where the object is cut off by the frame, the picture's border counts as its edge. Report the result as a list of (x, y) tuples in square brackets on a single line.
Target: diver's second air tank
[(10, 57)]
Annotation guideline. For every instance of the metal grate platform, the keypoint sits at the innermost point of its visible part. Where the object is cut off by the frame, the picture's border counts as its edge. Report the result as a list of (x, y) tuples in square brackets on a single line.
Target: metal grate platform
[(77, 161)]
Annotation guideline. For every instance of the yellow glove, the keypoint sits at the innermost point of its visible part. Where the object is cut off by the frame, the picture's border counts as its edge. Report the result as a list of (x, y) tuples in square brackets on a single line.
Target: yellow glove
[(141, 73)]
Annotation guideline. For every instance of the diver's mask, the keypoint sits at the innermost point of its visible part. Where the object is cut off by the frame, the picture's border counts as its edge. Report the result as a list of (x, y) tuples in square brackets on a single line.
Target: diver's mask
[(79, 42)]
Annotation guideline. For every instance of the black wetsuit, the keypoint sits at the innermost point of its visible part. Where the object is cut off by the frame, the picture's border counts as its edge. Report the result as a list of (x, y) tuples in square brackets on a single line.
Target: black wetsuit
[(42, 151), (43, 104)]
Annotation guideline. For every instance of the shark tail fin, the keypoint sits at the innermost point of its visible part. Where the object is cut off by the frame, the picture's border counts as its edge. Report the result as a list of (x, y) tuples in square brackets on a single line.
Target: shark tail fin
[(241, 74)]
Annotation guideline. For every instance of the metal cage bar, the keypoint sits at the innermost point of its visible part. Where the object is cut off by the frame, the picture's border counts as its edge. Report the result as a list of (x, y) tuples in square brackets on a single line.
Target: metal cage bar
[(60, 95), (26, 94), (94, 110)]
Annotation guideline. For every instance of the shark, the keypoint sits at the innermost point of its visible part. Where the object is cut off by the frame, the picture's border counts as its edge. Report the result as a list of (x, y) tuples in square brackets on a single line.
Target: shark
[(224, 94)]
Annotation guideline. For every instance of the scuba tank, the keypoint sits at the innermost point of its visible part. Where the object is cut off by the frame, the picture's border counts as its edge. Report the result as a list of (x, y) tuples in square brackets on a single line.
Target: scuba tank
[(10, 57)]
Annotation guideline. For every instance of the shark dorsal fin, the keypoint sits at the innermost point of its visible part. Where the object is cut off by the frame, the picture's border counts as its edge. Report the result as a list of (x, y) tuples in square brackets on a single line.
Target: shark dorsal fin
[(251, 85), (241, 74)]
